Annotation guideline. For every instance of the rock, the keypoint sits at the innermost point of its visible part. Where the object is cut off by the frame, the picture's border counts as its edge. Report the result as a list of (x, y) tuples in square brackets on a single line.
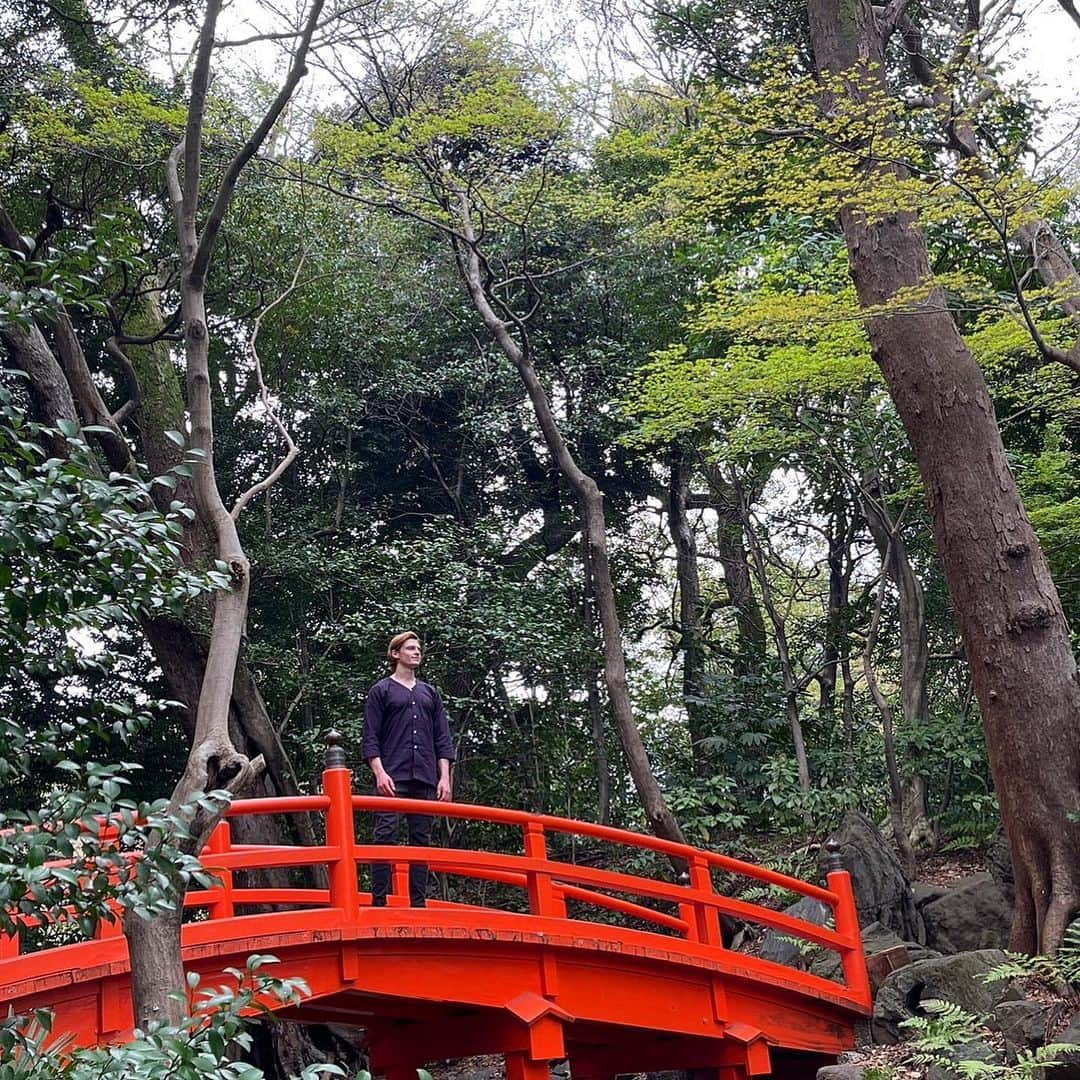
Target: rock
[(841, 1072), (975, 914), (924, 893), (782, 949), (945, 978), (1023, 1023), (975, 1050), (1070, 1069), (882, 890), (877, 939)]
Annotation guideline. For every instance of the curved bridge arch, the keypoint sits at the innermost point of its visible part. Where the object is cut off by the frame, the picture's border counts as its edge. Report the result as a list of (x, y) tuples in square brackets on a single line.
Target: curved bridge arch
[(652, 986)]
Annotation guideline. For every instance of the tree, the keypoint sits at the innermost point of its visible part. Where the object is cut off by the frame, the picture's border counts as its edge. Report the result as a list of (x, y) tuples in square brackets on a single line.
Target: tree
[(454, 140), (1007, 607), (64, 390)]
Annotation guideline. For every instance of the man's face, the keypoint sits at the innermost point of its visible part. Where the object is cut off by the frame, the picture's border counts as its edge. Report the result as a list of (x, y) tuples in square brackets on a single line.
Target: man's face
[(410, 654)]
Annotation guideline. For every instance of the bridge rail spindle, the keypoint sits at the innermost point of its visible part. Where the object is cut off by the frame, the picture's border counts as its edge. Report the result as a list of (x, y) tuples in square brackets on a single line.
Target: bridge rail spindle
[(544, 898), (220, 841)]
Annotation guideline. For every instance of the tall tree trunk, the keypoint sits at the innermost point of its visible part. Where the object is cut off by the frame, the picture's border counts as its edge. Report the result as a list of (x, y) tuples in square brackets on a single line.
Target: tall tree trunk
[(914, 646), (691, 637), (592, 691), (839, 563), (659, 816), (793, 685), (735, 560), (1007, 607)]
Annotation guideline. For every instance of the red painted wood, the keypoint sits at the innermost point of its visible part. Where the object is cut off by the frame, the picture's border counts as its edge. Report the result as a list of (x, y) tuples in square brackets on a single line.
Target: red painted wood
[(456, 979)]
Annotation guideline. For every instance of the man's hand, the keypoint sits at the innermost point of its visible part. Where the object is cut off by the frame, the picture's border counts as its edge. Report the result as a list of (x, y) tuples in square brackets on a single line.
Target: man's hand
[(442, 789), (384, 783)]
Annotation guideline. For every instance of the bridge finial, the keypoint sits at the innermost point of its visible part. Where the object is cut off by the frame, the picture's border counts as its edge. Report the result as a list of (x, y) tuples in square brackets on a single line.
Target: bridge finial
[(834, 858), (334, 755)]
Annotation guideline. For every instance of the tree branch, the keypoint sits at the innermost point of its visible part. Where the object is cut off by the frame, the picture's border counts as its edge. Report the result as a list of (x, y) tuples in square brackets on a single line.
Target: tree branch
[(1070, 9), (291, 449), (297, 70)]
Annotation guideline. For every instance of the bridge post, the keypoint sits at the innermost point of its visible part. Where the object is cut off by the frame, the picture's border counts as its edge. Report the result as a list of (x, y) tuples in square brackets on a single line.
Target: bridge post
[(519, 1066), (341, 829), (852, 958), (221, 841), (543, 899)]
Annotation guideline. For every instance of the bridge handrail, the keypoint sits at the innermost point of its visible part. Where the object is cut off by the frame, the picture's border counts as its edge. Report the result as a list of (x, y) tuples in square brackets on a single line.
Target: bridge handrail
[(684, 852), (548, 882)]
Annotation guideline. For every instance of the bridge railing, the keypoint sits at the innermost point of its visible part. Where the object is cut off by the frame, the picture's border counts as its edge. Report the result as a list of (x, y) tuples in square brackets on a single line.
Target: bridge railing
[(695, 908)]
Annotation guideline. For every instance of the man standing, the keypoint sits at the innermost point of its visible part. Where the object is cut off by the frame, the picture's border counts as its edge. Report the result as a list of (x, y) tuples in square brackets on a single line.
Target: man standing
[(407, 744)]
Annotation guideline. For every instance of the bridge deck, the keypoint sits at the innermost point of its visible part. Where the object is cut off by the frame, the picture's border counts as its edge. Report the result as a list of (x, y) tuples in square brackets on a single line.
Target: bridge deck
[(650, 986)]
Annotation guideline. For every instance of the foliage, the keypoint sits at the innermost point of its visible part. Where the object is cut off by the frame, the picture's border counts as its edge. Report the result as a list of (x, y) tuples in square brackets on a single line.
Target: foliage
[(83, 557), (940, 1037), (1063, 968), (195, 1049)]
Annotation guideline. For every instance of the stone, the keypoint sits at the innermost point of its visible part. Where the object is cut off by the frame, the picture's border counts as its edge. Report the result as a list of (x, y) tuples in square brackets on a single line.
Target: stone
[(975, 1050), (975, 914), (882, 890), (1070, 1067), (877, 940), (1023, 1023), (956, 979), (925, 893), (841, 1072), (782, 949)]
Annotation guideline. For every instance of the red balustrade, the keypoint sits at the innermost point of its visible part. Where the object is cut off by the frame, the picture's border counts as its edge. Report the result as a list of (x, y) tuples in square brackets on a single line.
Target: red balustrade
[(673, 917)]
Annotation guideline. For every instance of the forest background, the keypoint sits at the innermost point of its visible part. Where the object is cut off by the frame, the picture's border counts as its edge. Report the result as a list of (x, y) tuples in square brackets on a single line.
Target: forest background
[(695, 416)]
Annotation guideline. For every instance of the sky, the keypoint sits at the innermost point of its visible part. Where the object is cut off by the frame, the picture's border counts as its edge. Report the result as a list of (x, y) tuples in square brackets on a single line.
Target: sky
[(1044, 55)]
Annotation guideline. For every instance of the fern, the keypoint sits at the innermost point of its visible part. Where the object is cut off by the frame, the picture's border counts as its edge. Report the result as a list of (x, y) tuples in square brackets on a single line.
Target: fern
[(1063, 967), (948, 1026)]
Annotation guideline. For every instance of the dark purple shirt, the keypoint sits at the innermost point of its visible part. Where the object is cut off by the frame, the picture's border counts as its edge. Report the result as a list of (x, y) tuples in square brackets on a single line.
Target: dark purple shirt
[(407, 729)]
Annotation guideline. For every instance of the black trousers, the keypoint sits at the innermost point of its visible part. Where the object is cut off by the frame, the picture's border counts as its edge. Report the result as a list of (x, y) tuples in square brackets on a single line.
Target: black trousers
[(386, 832)]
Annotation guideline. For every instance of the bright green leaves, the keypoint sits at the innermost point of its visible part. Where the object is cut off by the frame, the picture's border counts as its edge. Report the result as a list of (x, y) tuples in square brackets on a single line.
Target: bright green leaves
[(472, 120), (780, 328), (80, 113)]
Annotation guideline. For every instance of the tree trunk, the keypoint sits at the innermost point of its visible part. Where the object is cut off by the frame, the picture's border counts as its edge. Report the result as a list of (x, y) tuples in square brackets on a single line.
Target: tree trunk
[(659, 816), (793, 687), (592, 691), (839, 562), (738, 583), (691, 638), (1007, 607), (914, 646), (896, 789)]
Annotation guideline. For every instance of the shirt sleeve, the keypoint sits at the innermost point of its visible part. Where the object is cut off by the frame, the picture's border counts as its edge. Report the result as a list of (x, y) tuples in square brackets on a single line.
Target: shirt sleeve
[(373, 724), (444, 745)]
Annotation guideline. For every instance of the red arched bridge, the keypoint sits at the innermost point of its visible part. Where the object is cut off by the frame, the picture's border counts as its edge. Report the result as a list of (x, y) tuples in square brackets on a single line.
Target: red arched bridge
[(617, 971)]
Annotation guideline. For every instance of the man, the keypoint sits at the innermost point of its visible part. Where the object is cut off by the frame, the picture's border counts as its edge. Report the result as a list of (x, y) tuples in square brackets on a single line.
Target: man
[(407, 744)]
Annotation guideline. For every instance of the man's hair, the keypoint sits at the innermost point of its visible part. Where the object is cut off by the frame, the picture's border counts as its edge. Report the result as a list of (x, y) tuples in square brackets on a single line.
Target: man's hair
[(396, 642)]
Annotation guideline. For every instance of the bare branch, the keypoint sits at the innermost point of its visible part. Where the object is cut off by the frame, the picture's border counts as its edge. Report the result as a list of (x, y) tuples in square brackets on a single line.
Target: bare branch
[(1070, 9), (200, 84), (291, 449), (297, 70)]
